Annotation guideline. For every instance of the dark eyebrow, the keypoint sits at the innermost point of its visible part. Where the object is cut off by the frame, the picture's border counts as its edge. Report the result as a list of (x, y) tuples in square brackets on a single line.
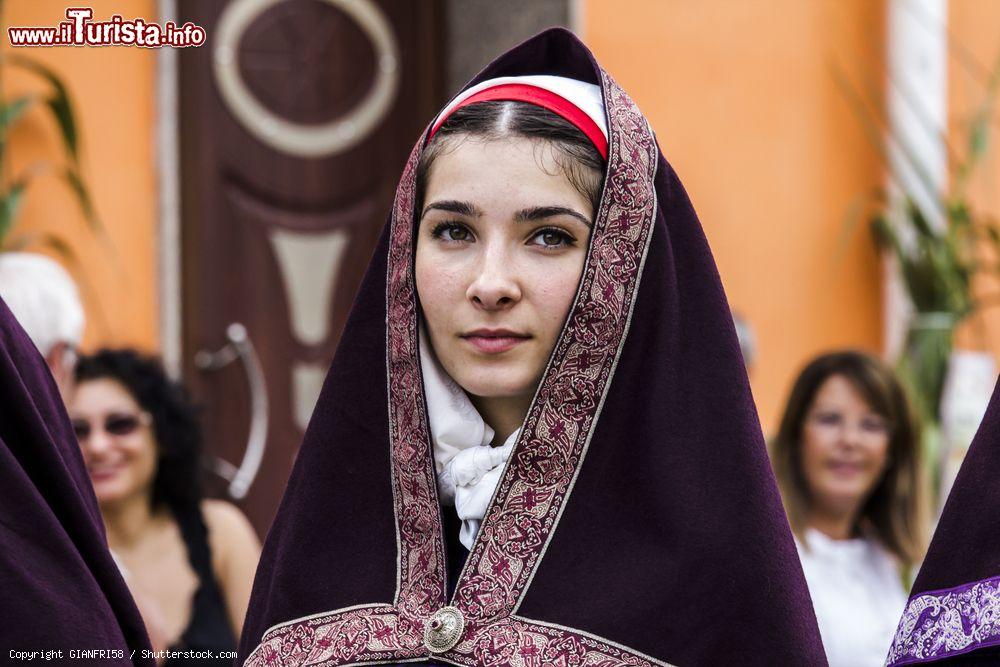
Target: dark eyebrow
[(542, 212), (453, 206)]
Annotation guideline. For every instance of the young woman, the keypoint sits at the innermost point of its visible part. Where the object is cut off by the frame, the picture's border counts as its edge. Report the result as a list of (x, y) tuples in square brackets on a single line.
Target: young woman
[(953, 614), (189, 562), (847, 458), (536, 444)]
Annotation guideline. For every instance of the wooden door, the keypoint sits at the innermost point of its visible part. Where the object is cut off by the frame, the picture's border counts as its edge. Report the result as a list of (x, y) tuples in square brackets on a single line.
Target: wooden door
[(296, 120)]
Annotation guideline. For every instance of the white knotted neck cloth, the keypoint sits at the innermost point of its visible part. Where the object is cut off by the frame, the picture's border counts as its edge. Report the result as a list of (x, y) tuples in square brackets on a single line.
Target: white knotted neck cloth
[(468, 469)]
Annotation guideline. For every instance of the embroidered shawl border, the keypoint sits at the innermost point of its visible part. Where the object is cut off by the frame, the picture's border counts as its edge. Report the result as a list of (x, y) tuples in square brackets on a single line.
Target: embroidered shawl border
[(368, 635), (948, 622)]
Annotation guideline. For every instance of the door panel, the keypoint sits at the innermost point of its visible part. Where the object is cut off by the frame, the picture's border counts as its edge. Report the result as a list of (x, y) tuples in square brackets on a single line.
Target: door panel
[(296, 120)]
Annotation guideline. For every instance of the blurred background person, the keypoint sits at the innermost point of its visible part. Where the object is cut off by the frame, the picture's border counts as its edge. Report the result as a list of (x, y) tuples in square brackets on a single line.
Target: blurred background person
[(191, 560), (45, 301), (847, 461)]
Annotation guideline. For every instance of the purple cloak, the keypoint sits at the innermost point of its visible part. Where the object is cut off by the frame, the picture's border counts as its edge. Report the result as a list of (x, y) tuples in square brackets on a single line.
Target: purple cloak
[(637, 521), (953, 614), (59, 587)]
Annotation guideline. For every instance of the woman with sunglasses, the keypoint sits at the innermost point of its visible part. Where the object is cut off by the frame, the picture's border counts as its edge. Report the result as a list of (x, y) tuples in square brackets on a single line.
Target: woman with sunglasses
[(847, 459), (188, 561)]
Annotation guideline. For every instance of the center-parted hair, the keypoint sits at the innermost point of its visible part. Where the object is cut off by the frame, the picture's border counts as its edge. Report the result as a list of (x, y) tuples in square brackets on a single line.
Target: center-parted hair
[(895, 510), (579, 160)]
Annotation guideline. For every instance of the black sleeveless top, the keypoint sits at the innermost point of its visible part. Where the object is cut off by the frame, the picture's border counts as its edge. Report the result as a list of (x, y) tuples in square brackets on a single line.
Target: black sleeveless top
[(208, 628)]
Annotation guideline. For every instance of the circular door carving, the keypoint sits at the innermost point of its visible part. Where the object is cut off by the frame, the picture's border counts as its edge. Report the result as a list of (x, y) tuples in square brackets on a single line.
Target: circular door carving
[(299, 139)]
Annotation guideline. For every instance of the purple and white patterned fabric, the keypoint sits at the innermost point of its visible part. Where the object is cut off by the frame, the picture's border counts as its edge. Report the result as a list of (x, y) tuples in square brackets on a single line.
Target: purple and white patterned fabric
[(564, 570), (941, 624), (953, 614)]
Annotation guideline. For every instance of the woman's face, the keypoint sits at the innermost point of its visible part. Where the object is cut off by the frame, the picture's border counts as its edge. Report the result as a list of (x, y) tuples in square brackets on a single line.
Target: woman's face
[(501, 244), (116, 438), (845, 447)]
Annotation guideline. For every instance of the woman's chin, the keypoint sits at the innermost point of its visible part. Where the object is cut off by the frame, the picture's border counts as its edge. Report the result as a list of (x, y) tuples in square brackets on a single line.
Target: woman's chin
[(111, 491), (843, 498), (497, 387)]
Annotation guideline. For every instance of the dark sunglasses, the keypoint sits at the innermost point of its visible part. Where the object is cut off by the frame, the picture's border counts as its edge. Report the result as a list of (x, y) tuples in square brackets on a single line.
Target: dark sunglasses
[(116, 424)]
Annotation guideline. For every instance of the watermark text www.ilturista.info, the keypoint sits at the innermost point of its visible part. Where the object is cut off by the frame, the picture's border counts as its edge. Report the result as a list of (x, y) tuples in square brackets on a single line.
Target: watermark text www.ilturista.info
[(82, 30)]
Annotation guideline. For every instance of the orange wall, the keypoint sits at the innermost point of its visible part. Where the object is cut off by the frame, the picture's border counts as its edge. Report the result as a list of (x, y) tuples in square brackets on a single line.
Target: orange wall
[(114, 92), (747, 112), (974, 51)]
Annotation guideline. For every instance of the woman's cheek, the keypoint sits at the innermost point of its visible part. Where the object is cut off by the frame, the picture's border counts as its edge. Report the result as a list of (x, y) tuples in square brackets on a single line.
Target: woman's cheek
[(813, 450), (436, 281), (557, 291), (448, 286), (880, 460)]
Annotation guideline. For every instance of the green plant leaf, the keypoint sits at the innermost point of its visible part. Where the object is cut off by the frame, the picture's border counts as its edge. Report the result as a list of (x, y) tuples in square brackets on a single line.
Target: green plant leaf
[(993, 234), (857, 212), (979, 130), (883, 136), (884, 234), (79, 189), (59, 103), (82, 194), (958, 213), (10, 203), (11, 112), (979, 136), (920, 222)]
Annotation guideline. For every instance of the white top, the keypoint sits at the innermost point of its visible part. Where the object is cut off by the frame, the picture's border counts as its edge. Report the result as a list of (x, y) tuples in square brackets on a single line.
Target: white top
[(858, 595), (468, 469)]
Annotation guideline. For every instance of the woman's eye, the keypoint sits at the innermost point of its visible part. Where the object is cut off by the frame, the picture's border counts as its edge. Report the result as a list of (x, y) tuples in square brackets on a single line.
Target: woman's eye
[(450, 231), (828, 418), (81, 429), (552, 238), (875, 425)]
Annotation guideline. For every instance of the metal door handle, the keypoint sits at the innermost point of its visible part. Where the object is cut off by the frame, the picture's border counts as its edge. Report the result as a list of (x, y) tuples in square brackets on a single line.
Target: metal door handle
[(240, 348)]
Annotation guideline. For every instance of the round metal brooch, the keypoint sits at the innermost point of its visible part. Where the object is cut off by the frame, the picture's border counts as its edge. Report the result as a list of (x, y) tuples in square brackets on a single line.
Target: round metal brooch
[(444, 629)]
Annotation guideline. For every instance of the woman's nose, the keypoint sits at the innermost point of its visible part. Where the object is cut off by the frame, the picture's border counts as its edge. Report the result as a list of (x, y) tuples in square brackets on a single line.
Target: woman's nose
[(98, 443), (494, 285), (851, 434)]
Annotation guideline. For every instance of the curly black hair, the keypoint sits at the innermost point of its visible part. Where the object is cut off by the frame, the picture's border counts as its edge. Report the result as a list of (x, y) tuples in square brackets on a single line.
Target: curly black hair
[(177, 482)]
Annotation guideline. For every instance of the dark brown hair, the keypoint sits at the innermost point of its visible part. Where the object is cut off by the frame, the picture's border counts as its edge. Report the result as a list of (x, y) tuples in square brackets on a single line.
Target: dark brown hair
[(574, 152), (895, 510)]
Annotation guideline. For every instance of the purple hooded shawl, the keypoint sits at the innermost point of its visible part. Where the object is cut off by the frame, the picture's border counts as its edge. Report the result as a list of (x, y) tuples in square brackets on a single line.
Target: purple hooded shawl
[(953, 614), (637, 521), (59, 587)]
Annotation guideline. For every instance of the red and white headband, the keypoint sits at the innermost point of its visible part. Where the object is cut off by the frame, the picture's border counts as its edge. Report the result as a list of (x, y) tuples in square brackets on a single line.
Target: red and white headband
[(578, 102)]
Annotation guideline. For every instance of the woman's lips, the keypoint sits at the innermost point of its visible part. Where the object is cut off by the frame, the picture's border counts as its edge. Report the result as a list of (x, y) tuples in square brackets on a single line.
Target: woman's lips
[(844, 469), (105, 473), (494, 344)]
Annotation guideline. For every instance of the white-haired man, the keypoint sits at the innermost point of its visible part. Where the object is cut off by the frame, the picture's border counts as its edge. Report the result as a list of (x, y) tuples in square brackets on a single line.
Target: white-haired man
[(46, 302)]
